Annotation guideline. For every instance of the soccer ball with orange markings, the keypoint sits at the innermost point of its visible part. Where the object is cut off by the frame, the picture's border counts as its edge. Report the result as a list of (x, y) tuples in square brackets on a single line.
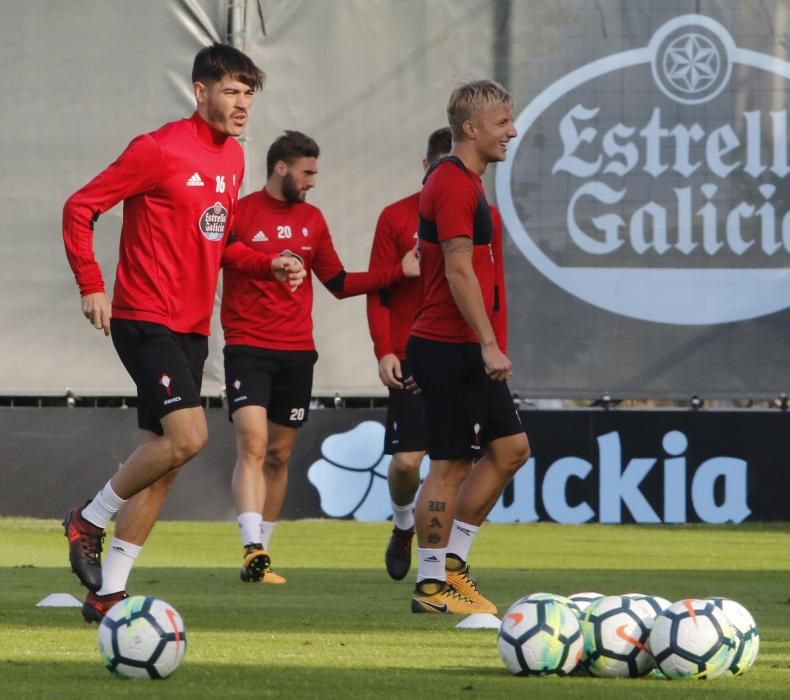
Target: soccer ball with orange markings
[(540, 636), (142, 637), (615, 630), (693, 639)]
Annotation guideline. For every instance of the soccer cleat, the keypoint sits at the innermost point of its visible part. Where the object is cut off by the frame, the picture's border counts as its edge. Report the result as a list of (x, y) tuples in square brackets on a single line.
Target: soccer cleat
[(96, 606), (463, 582), (257, 566), (398, 555), (85, 546), (273, 578), (445, 600)]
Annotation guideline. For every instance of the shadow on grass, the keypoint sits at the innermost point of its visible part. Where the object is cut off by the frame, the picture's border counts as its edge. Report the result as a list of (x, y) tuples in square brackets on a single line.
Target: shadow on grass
[(365, 600), (196, 679)]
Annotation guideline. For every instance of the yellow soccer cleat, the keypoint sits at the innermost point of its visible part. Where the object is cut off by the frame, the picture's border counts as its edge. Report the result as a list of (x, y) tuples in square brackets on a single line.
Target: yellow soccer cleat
[(256, 561), (272, 577), (463, 582), (444, 599)]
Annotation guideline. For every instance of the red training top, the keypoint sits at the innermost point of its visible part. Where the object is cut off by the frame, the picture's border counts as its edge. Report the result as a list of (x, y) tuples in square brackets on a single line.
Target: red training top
[(452, 204), (391, 311), (179, 186), (271, 316)]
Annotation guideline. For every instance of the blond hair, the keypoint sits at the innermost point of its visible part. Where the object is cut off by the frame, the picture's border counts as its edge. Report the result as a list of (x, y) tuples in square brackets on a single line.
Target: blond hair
[(470, 98)]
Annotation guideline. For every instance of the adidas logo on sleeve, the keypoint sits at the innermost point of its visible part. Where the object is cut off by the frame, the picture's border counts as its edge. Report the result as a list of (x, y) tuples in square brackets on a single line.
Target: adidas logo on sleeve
[(195, 181), (258, 237)]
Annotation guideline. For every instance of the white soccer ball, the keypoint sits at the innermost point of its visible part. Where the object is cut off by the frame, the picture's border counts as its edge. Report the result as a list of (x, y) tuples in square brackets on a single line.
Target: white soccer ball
[(557, 598), (746, 632), (583, 600), (540, 637), (693, 639), (657, 603), (142, 637), (615, 630)]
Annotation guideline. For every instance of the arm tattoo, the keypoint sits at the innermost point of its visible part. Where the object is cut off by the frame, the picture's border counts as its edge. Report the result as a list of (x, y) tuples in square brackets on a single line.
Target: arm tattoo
[(433, 538), (436, 506), (435, 522), (460, 244)]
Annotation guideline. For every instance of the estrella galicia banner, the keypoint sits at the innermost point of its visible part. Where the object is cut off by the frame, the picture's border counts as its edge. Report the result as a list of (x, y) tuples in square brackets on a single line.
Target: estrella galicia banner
[(647, 205)]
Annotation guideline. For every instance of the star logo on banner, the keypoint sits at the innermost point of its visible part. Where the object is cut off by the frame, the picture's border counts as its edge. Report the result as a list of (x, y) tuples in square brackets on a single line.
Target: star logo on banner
[(691, 63)]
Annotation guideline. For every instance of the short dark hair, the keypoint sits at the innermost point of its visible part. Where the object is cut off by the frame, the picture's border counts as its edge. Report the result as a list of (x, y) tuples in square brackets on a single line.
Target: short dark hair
[(213, 63), (289, 147), (440, 143)]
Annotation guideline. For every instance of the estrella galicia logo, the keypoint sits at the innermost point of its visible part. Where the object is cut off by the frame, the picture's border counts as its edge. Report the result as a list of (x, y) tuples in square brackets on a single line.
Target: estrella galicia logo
[(665, 201), (351, 476), (212, 222)]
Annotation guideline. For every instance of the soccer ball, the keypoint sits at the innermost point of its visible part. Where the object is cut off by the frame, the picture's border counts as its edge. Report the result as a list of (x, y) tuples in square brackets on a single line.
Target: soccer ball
[(657, 603), (746, 633), (693, 639), (540, 637), (615, 630), (558, 599), (142, 637), (583, 600)]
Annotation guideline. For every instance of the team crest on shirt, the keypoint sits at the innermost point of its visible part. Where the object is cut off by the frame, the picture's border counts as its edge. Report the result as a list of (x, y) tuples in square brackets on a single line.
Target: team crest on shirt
[(165, 381), (212, 222)]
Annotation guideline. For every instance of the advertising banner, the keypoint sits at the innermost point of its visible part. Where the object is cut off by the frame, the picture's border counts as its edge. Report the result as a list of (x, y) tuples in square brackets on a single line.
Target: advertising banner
[(619, 466), (646, 200)]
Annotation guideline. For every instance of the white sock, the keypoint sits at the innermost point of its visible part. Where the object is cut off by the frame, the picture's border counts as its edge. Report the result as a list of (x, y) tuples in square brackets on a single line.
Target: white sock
[(403, 516), (117, 566), (101, 509), (267, 530), (430, 564), (250, 526), (461, 537)]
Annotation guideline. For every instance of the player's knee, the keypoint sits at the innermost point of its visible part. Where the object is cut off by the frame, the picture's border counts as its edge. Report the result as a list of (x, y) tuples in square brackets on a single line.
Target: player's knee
[(277, 459), (252, 450), (517, 454), (406, 463), (188, 443)]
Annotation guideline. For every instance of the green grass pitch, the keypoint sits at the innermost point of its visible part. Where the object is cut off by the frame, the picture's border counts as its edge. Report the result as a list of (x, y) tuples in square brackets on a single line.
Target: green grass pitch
[(341, 629)]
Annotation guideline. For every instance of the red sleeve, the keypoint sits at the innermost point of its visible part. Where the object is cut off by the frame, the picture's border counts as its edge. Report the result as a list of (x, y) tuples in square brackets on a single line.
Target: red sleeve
[(454, 205), (246, 261), (136, 171), (499, 319), (342, 284), (383, 254)]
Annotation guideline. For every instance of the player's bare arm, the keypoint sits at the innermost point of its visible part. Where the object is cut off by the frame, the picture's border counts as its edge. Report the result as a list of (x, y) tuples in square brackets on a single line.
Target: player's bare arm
[(97, 309), (411, 263), (467, 295)]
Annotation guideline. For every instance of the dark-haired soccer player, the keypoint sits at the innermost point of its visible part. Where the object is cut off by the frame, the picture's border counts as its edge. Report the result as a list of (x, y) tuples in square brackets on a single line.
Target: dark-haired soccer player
[(179, 185), (269, 347), (475, 439), (390, 315)]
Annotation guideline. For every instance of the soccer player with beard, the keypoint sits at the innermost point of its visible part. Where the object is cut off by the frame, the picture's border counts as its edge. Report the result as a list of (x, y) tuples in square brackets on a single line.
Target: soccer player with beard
[(476, 442), (179, 185), (269, 347), (390, 315)]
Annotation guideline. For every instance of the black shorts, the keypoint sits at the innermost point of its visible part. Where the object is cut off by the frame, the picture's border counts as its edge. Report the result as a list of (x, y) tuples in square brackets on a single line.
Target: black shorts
[(167, 367), (279, 380), (405, 429), (464, 408)]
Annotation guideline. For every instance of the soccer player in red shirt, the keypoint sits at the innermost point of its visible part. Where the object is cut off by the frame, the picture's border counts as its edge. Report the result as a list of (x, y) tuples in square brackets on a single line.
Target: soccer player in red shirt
[(390, 315), (179, 185), (269, 347), (475, 438)]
